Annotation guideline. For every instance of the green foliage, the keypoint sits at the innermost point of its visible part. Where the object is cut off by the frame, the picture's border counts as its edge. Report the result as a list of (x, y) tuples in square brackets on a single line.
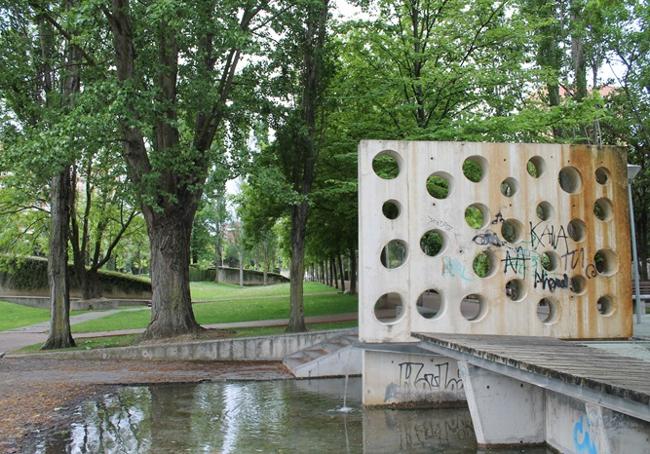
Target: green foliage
[(481, 264), (30, 273), (472, 170), (431, 243), (438, 187), (474, 217)]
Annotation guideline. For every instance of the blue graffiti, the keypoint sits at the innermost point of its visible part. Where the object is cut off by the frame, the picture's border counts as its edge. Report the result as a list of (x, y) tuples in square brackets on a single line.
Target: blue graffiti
[(455, 268), (582, 438)]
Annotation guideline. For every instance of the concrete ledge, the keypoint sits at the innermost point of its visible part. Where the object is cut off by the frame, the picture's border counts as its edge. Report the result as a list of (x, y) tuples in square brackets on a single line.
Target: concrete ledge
[(265, 348)]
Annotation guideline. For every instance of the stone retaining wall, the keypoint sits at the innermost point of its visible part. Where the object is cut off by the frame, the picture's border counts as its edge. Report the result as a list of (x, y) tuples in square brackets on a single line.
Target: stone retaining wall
[(266, 348)]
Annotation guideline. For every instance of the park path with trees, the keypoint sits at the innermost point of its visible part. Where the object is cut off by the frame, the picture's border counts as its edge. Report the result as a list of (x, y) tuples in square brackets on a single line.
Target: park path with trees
[(123, 120)]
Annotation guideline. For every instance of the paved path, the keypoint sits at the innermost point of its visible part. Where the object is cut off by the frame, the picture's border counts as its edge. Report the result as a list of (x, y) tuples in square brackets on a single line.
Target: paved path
[(30, 335)]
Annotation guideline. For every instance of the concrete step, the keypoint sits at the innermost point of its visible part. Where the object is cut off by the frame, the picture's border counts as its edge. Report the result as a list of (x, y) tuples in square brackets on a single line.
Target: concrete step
[(334, 357)]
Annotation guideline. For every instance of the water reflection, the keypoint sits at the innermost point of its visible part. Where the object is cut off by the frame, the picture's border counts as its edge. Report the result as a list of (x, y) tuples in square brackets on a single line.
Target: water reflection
[(243, 417)]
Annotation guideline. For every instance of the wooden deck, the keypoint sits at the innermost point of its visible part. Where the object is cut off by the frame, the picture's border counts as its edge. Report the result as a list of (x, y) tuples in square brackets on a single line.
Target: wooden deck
[(571, 362)]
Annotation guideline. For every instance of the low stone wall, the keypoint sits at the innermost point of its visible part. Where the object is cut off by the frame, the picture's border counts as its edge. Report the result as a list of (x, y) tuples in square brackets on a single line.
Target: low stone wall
[(265, 348), (231, 276), (27, 276), (43, 302)]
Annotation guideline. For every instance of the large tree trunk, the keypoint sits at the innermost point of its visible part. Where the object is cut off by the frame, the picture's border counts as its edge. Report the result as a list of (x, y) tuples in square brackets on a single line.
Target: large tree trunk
[(578, 51), (89, 284), (169, 237), (341, 272), (353, 271), (298, 229), (57, 265), (217, 258), (241, 269)]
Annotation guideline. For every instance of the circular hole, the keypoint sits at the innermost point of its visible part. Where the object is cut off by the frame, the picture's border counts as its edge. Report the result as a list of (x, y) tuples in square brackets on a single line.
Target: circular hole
[(570, 180), (472, 307), (475, 168), (429, 303), (602, 175), (509, 187), (389, 307), (576, 229), (394, 254), (516, 290), (547, 310), (535, 166), (578, 284), (606, 262), (603, 209), (439, 185), (484, 264), (432, 242), (386, 165), (511, 230), (391, 209), (477, 216), (605, 305), (550, 260), (544, 211)]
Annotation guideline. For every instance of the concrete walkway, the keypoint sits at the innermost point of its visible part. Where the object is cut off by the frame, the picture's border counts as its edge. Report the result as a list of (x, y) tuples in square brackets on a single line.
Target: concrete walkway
[(30, 335)]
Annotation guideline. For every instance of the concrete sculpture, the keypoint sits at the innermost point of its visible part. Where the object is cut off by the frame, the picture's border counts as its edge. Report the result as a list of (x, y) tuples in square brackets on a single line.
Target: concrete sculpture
[(485, 238)]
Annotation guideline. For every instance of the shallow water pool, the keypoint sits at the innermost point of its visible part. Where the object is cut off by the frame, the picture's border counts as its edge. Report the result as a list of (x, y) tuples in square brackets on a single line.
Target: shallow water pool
[(292, 416)]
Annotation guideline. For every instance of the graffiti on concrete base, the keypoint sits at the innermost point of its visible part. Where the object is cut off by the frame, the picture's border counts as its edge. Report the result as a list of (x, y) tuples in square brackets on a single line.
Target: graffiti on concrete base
[(582, 441), (412, 374)]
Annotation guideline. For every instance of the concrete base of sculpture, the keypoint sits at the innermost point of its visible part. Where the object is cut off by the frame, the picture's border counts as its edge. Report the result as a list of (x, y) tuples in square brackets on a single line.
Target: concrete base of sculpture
[(509, 412), (403, 379)]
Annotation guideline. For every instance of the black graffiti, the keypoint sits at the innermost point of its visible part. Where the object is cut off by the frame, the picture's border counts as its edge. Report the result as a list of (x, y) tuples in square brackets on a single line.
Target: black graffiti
[(442, 224), (550, 283), (488, 238), (516, 260), (410, 373), (591, 271), (548, 236), (420, 433), (577, 259), (497, 219)]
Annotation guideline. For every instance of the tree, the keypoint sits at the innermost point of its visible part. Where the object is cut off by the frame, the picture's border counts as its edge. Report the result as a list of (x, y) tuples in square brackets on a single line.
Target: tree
[(176, 68), (43, 101), (100, 216), (300, 71)]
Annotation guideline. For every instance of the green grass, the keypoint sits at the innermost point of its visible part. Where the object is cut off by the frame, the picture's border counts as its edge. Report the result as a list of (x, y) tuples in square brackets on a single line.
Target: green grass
[(209, 291), (271, 330), (229, 311), (16, 316), (90, 343)]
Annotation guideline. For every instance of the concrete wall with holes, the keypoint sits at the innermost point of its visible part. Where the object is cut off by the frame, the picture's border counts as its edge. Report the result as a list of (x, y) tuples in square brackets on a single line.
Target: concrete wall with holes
[(520, 239)]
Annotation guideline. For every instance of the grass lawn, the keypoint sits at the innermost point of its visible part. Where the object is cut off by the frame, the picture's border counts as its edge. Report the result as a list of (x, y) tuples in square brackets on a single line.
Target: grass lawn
[(131, 339), (15, 315), (90, 343), (209, 291), (228, 311)]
